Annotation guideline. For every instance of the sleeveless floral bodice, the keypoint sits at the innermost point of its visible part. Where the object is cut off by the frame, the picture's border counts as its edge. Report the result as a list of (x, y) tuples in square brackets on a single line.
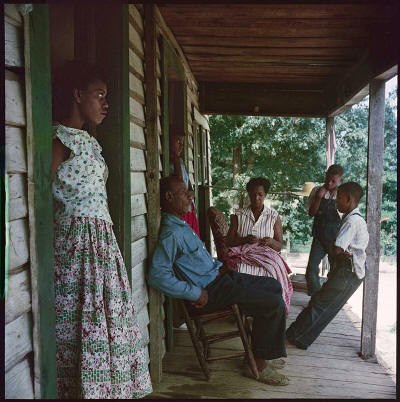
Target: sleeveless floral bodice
[(79, 186)]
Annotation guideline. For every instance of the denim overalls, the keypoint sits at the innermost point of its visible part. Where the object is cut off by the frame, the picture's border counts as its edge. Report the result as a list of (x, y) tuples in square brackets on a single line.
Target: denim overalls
[(325, 229)]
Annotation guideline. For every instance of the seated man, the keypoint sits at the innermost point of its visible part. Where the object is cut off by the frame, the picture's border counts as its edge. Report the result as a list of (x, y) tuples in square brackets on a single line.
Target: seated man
[(182, 268)]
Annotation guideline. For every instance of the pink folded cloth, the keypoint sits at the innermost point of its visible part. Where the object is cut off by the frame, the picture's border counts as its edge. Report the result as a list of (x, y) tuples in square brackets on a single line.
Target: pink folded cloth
[(264, 257)]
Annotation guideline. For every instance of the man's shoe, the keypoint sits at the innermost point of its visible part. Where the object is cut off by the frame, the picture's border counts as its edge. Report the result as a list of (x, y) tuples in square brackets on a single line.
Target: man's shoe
[(268, 376)]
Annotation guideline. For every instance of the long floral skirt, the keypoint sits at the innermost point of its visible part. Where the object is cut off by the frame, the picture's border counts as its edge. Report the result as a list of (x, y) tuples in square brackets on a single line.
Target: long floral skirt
[(100, 353)]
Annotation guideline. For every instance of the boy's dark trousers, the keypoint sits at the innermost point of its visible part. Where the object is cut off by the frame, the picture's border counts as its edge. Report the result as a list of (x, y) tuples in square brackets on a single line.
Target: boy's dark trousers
[(259, 297), (324, 305), (325, 229)]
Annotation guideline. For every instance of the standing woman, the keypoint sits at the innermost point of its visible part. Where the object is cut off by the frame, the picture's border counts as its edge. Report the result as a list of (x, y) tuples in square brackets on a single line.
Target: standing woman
[(99, 348), (178, 168)]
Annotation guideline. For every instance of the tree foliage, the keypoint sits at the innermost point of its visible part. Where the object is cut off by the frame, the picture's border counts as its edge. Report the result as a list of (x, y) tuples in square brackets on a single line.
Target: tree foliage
[(290, 152)]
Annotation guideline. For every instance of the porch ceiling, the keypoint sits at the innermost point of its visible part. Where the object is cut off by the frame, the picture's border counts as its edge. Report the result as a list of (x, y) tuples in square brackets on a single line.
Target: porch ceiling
[(288, 58)]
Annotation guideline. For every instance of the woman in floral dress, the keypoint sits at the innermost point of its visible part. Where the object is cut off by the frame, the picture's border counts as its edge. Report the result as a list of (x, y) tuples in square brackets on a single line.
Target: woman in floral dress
[(99, 348)]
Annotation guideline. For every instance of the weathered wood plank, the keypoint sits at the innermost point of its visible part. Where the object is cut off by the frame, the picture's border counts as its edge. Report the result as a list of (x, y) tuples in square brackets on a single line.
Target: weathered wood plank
[(138, 183), (136, 64), (376, 124), (276, 53), (138, 227), (138, 204), (139, 251), (139, 293), (12, 15), (136, 109), (15, 99), (18, 382), (143, 320), (137, 135), (19, 243), (136, 85), (15, 150), (13, 45), (274, 29), (134, 13), (18, 196), (138, 275), (135, 40), (18, 340), (137, 160), (217, 13), (18, 299), (279, 42), (200, 119)]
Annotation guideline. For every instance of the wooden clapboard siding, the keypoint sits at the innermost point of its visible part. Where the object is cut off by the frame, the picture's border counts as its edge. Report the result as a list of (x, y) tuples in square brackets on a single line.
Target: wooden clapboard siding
[(18, 381), (18, 305), (138, 167)]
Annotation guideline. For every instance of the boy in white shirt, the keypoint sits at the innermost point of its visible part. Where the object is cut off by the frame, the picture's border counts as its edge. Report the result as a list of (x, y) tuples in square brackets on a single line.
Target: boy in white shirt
[(345, 276)]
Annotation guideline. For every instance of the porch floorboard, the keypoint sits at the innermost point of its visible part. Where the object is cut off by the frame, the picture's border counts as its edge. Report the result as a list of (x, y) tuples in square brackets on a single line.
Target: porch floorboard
[(330, 368)]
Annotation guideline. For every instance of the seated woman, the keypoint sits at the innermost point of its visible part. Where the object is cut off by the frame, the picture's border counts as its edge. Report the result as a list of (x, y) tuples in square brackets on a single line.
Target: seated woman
[(255, 240)]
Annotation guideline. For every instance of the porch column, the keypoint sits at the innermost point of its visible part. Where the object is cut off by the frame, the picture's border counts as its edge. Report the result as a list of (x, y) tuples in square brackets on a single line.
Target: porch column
[(373, 215), (330, 141), (153, 188)]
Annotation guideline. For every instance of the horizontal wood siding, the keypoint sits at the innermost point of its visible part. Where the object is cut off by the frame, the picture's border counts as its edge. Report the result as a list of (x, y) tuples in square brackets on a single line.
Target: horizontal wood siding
[(138, 169), (18, 308)]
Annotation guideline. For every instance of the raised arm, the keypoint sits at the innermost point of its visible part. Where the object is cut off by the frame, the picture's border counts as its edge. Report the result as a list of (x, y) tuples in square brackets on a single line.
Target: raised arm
[(316, 200), (233, 239)]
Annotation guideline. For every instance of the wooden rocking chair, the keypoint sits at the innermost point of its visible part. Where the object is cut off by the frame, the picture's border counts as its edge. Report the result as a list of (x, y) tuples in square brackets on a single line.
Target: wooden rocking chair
[(201, 341)]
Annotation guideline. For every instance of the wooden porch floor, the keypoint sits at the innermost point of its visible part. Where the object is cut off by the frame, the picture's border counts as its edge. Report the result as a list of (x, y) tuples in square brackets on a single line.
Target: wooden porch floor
[(330, 368)]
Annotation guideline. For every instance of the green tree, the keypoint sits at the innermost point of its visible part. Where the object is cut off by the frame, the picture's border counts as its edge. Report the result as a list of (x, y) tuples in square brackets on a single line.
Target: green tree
[(291, 151)]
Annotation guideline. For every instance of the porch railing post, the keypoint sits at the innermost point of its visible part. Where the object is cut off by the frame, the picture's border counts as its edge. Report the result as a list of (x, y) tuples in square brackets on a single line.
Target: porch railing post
[(373, 215)]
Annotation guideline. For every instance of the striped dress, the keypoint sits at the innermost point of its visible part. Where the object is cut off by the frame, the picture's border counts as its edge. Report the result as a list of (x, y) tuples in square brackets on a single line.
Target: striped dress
[(259, 260), (262, 228)]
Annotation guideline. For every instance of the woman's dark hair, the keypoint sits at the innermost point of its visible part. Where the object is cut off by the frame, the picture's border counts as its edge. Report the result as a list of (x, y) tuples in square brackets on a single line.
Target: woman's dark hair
[(258, 181), (72, 74)]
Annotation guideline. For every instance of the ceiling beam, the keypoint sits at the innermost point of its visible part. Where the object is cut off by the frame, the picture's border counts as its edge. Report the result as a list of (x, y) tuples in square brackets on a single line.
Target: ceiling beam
[(260, 100)]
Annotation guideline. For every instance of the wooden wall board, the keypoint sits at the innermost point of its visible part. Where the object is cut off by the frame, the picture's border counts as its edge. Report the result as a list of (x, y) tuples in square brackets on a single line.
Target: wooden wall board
[(137, 160), (12, 15), (14, 99), (138, 204), (19, 243), (139, 251), (18, 340), (138, 183), (15, 150), (18, 202), (138, 227), (18, 381), (137, 136), (13, 45), (18, 301)]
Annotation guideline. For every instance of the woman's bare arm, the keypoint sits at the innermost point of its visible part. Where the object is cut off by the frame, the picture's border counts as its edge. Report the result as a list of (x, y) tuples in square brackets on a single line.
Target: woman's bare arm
[(60, 154), (232, 239)]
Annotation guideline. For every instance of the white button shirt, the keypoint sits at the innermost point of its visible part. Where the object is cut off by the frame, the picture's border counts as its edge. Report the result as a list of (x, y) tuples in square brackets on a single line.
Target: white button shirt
[(353, 237)]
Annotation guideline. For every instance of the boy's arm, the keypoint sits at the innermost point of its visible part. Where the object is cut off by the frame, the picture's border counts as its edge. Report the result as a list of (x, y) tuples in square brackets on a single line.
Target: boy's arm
[(343, 240), (316, 200), (161, 275)]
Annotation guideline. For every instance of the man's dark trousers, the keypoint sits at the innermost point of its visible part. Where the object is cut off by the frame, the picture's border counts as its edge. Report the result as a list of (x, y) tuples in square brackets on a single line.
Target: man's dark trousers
[(259, 297)]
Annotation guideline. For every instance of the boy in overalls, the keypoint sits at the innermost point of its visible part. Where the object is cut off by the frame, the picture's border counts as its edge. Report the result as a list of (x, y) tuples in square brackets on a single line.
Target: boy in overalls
[(345, 276), (321, 205)]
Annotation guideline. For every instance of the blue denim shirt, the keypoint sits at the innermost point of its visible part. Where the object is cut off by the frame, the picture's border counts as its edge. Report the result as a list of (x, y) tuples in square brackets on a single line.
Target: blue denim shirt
[(181, 266)]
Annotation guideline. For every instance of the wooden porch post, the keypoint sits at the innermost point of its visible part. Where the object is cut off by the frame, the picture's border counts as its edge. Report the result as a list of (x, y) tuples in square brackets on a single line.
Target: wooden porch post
[(38, 113), (374, 199), (330, 127), (153, 187)]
